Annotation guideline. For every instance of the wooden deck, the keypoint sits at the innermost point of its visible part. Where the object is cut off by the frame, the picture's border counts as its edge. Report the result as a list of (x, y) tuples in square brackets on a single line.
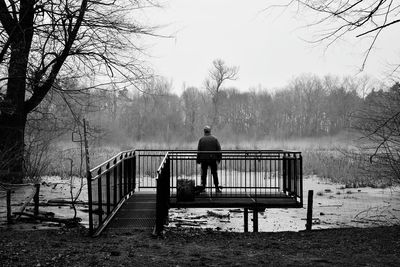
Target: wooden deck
[(139, 211), (238, 200)]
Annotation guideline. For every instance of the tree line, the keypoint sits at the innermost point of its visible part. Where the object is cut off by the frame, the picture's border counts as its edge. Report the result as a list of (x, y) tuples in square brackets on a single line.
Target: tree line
[(308, 106)]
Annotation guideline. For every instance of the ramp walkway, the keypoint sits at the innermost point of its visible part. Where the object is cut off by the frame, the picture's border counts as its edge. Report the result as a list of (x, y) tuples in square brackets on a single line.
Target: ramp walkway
[(137, 213)]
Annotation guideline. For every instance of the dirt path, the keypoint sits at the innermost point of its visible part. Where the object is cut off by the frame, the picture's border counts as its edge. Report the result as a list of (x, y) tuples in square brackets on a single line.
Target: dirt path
[(340, 247)]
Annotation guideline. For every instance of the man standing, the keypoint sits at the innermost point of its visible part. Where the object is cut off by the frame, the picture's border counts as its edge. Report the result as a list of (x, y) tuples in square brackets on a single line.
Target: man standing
[(209, 143)]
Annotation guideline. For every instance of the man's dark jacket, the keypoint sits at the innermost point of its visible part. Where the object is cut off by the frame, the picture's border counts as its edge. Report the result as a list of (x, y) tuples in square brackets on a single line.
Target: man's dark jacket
[(208, 143)]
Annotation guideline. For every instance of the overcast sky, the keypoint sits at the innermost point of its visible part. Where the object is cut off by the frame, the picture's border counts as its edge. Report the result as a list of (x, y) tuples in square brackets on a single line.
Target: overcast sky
[(268, 47)]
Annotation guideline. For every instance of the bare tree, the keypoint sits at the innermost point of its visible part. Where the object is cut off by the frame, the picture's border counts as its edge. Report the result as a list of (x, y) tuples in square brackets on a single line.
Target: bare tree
[(379, 123), (44, 40), (358, 18), (365, 19), (191, 105), (217, 76)]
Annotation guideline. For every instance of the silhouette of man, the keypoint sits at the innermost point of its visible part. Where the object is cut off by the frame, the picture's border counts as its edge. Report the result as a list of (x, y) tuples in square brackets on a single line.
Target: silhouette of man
[(209, 143)]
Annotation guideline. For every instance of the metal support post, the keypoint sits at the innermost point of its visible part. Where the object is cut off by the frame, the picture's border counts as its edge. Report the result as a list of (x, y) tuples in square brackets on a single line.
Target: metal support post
[(309, 210), (246, 220), (255, 220)]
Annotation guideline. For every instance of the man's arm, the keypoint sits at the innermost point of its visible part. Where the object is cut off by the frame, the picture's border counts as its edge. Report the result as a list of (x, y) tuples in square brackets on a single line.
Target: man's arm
[(218, 146), (219, 155)]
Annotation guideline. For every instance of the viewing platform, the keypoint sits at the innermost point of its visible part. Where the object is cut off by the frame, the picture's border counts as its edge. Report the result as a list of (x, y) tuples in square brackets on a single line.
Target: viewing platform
[(136, 188)]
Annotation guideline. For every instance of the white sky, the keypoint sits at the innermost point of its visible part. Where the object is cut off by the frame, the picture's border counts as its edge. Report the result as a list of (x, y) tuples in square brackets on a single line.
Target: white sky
[(268, 47)]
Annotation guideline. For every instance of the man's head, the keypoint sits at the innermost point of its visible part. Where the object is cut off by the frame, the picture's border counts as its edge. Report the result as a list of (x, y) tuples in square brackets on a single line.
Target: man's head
[(207, 129)]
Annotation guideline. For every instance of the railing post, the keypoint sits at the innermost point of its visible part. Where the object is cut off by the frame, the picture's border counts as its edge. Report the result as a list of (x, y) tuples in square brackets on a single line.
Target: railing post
[(255, 179), (162, 197), (99, 197), (90, 200), (129, 171), (255, 219), (295, 176), (134, 172), (120, 181), (108, 189), (125, 166), (284, 173), (309, 210), (115, 177), (138, 170), (301, 180), (289, 175), (36, 200), (246, 220), (167, 189), (159, 211)]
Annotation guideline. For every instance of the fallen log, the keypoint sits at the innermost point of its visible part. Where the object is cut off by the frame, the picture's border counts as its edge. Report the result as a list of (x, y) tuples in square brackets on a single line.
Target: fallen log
[(28, 200), (186, 224), (217, 215), (328, 206), (189, 221), (68, 222), (61, 201)]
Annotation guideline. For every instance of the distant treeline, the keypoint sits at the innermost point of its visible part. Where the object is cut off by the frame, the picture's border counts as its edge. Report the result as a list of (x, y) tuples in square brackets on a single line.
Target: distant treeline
[(308, 106)]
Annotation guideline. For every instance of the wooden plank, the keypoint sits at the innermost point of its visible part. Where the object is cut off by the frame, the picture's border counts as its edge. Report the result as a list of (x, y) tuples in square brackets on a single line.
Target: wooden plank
[(237, 203)]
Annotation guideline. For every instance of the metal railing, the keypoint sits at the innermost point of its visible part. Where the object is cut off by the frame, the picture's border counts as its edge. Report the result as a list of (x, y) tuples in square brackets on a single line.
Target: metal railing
[(148, 163), (258, 174), (109, 185), (163, 193)]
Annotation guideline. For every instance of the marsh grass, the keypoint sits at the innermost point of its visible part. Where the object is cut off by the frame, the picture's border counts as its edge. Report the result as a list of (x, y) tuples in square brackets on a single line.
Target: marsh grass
[(332, 158), (65, 154)]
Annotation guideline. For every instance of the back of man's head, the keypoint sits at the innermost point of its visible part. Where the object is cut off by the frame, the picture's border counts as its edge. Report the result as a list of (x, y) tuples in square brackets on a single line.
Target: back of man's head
[(207, 129)]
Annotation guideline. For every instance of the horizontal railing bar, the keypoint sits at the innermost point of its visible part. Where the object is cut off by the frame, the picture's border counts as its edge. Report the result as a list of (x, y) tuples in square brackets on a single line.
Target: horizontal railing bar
[(106, 170), (162, 163), (242, 187), (189, 150), (232, 158), (238, 152), (113, 158), (238, 195)]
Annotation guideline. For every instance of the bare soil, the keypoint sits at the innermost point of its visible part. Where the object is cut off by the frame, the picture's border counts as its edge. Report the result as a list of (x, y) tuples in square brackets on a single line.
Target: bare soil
[(198, 247)]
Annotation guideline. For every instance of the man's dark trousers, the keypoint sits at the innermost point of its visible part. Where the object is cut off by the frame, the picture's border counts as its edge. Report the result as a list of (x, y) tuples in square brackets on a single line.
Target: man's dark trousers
[(213, 166)]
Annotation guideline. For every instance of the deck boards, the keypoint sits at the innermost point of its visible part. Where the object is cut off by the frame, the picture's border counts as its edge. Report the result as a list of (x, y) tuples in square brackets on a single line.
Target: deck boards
[(238, 200)]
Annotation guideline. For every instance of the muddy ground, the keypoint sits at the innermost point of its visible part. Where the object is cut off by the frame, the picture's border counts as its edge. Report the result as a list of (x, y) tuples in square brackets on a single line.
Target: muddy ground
[(198, 247)]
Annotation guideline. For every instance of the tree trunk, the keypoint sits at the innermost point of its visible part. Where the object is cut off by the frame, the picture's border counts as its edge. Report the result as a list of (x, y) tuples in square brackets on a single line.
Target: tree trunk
[(12, 148), (12, 115)]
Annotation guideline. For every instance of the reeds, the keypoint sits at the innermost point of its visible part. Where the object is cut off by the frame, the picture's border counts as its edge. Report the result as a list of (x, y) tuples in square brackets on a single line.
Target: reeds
[(332, 158)]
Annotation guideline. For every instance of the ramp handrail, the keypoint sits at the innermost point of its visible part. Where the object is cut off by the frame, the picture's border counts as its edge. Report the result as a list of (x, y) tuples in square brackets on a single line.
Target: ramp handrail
[(109, 185)]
